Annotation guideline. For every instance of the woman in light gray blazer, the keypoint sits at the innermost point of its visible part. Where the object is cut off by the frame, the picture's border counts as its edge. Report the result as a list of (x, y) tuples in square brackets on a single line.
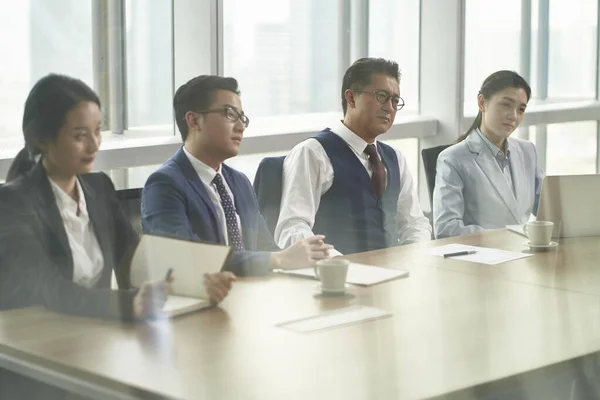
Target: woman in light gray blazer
[(488, 180)]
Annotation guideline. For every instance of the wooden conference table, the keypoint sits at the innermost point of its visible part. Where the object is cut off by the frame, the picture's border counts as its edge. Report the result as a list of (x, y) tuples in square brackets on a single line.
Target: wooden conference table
[(458, 330)]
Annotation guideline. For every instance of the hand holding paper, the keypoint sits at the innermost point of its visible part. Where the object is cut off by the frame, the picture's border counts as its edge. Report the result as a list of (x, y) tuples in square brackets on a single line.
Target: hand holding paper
[(195, 282), (218, 285)]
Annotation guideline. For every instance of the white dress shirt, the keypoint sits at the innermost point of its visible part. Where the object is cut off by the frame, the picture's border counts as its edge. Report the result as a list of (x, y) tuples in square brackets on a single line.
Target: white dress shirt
[(308, 175), (88, 260), (206, 175)]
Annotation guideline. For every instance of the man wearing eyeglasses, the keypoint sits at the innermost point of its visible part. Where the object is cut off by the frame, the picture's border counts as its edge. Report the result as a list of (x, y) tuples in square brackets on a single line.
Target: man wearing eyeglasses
[(345, 183), (195, 196)]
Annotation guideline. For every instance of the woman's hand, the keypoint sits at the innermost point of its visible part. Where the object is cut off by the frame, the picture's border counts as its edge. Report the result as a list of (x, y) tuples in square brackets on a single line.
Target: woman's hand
[(151, 298)]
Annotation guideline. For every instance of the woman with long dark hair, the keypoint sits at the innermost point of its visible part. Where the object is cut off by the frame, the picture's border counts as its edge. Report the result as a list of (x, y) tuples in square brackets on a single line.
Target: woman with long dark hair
[(62, 230), (61, 223), (488, 179)]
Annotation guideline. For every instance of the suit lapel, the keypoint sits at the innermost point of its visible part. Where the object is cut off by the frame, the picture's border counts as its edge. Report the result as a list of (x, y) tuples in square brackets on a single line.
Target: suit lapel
[(50, 216), (196, 183), (491, 169), (519, 177), (98, 216)]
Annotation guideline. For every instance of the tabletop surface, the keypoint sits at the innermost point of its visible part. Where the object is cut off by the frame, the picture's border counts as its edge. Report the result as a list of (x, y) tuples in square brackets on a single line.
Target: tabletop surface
[(454, 325)]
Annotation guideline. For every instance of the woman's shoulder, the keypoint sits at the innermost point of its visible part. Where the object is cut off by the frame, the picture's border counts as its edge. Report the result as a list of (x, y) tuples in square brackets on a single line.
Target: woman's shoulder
[(17, 203), (17, 192), (455, 151)]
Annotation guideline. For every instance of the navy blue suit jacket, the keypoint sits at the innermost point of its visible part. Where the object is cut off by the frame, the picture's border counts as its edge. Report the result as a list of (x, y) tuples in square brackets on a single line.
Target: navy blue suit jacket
[(176, 202)]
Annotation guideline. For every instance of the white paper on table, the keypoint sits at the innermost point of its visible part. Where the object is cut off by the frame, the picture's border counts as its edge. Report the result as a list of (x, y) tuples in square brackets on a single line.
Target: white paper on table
[(339, 317), (484, 255), (358, 274)]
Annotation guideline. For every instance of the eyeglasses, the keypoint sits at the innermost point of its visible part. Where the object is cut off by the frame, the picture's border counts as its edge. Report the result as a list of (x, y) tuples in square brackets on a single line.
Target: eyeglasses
[(383, 96), (230, 113)]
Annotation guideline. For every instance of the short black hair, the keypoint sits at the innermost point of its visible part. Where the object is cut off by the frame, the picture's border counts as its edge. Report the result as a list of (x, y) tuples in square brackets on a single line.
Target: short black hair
[(199, 94), (359, 74)]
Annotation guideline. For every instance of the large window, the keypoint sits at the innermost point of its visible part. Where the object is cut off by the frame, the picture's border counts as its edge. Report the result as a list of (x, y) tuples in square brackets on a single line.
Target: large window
[(149, 71), (38, 37), (571, 148), (394, 34), (285, 55), (572, 52), (492, 43)]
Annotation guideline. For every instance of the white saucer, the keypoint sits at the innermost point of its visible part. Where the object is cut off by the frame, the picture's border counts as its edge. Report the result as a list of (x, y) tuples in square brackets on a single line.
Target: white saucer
[(332, 292), (542, 246)]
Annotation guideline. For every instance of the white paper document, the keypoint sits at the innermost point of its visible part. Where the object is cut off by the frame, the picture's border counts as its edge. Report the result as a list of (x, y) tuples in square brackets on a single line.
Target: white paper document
[(484, 255), (358, 274), (339, 317)]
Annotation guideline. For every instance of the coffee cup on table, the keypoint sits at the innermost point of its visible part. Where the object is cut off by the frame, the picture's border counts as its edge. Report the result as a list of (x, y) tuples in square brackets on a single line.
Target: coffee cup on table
[(539, 232), (332, 273)]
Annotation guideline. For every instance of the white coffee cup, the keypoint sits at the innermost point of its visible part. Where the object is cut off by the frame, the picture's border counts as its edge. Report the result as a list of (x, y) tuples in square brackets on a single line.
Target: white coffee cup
[(332, 274), (539, 232)]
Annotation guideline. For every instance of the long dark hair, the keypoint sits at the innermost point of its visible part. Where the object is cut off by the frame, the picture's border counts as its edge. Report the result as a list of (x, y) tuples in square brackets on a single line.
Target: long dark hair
[(493, 84), (46, 108)]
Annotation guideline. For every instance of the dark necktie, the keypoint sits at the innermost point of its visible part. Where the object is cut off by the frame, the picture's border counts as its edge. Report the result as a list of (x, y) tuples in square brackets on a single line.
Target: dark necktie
[(378, 177), (233, 229)]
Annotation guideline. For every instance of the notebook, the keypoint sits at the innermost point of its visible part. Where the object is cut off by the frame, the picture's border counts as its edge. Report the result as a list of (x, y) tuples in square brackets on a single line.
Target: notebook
[(190, 260), (358, 274)]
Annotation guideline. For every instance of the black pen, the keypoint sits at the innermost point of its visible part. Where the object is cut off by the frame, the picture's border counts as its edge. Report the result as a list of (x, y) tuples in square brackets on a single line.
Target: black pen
[(169, 273), (460, 253)]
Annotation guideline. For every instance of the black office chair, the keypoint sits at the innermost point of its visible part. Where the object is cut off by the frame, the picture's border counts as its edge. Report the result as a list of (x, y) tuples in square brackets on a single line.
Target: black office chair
[(430, 157), (131, 203), (268, 186)]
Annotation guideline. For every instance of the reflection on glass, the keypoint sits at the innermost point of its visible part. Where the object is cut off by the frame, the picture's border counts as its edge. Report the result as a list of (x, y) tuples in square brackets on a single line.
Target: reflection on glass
[(284, 54), (394, 35), (38, 37), (149, 72), (571, 148)]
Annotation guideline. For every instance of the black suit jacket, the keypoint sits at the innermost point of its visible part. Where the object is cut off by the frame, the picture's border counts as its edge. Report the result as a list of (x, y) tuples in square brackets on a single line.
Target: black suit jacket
[(36, 264)]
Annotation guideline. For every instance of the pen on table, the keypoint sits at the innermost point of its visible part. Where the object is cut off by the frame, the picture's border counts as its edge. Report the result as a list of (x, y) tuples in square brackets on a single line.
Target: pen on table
[(169, 273), (460, 253)]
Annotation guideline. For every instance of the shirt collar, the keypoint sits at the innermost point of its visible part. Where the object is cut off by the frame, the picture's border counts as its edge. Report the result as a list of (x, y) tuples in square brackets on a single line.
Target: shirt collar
[(65, 202), (357, 143), (496, 152), (205, 173)]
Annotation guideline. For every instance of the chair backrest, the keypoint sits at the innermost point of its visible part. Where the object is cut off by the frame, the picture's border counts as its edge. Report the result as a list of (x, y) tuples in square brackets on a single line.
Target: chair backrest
[(268, 184), (131, 203), (430, 157)]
